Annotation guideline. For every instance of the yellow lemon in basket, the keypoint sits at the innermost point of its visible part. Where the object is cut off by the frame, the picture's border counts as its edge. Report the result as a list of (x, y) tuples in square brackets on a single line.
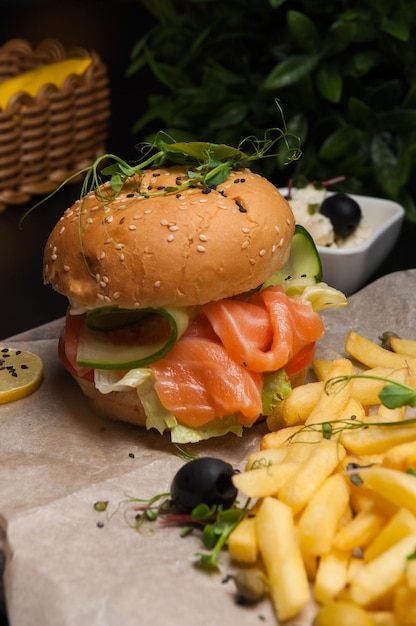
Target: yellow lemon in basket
[(20, 373)]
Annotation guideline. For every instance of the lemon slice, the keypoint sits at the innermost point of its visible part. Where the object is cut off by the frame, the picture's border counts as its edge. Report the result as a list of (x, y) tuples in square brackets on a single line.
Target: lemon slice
[(20, 374)]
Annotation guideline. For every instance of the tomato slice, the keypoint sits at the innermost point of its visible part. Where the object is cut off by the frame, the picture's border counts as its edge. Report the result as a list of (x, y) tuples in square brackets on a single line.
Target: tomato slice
[(68, 346), (301, 360)]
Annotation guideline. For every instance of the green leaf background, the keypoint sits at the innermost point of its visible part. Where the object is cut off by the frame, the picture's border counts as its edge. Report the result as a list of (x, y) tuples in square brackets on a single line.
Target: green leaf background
[(343, 72)]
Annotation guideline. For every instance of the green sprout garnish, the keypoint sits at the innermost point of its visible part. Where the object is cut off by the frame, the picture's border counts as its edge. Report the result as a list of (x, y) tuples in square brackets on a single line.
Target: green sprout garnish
[(208, 164), (218, 525), (215, 523), (394, 395), (411, 556), (328, 430)]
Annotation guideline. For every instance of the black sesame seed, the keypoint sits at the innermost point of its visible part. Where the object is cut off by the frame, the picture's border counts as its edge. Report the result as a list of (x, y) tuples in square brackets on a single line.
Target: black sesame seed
[(24, 366), (130, 195), (237, 180), (100, 524), (242, 180), (240, 207), (131, 455), (156, 173), (161, 187), (206, 190), (178, 195)]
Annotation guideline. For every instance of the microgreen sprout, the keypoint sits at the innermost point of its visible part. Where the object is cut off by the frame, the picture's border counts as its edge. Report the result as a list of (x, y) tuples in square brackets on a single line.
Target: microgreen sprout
[(329, 430), (208, 164), (394, 395), (215, 523), (219, 524), (411, 556)]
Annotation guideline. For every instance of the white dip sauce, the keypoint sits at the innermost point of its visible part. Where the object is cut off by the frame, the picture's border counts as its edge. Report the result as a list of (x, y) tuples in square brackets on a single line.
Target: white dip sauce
[(305, 203)]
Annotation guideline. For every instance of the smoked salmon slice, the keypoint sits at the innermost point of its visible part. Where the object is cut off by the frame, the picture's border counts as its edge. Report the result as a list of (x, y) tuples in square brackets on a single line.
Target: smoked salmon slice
[(198, 381), (216, 368), (292, 325)]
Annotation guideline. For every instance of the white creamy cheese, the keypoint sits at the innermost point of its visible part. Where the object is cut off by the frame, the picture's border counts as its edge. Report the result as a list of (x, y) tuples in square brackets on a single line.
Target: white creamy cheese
[(305, 203)]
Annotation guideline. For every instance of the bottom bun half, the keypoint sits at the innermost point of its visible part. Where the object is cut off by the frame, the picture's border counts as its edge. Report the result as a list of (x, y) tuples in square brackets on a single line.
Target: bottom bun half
[(125, 406)]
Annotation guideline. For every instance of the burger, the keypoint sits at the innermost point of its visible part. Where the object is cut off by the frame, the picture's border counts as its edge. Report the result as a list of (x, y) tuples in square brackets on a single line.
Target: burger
[(179, 315)]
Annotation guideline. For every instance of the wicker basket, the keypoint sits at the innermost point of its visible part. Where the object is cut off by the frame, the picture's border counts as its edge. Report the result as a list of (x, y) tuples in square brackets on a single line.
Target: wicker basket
[(47, 138)]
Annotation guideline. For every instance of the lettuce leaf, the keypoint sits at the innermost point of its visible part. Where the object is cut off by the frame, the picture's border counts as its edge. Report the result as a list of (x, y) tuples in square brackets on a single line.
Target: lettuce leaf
[(142, 379), (276, 388)]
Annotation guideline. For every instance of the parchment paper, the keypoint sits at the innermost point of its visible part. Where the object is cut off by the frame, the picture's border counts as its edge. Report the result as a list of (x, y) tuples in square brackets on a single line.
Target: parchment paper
[(57, 459)]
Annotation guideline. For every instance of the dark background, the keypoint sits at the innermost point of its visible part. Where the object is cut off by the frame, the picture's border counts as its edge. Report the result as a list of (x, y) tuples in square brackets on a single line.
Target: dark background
[(110, 27)]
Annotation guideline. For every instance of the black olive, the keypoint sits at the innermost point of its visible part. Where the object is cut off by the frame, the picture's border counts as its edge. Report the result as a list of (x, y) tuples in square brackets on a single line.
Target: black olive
[(205, 480), (344, 213)]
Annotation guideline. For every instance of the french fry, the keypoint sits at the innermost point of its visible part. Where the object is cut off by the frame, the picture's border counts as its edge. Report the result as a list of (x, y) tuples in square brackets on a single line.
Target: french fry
[(382, 574), (404, 605), (403, 346), (334, 477), (321, 368), (310, 475), (264, 458), (411, 573), (354, 410), (288, 581), (398, 414), (362, 498), (362, 529), (279, 438), (331, 576), (397, 487), (376, 439), (330, 406), (371, 354), (401, 524), (402, 456), (366, 390), (242, 541), (383, 618), (317, 529), (295, 409), (328, 409), (265, 481)]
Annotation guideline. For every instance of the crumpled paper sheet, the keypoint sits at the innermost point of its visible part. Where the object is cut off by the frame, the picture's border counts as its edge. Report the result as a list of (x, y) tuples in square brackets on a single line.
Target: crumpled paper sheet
[(58, 459)]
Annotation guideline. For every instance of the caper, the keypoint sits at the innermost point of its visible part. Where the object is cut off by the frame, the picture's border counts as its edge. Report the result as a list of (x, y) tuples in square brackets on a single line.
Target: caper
[(251, 585), (385, 339)]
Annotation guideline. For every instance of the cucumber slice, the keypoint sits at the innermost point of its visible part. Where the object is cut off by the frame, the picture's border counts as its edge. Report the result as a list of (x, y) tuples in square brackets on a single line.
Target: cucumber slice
[(304, 266), (117, 348), (112, 317)]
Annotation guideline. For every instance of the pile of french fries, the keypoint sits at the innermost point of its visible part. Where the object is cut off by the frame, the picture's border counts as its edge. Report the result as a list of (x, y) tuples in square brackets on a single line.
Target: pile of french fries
[(334, 492)]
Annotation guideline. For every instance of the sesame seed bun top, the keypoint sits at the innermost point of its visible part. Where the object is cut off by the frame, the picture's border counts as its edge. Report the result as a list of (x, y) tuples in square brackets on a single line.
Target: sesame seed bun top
[(177, 249)]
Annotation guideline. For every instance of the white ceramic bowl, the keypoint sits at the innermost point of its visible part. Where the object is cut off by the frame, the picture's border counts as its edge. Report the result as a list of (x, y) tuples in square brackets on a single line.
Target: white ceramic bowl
[(348, 269)]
